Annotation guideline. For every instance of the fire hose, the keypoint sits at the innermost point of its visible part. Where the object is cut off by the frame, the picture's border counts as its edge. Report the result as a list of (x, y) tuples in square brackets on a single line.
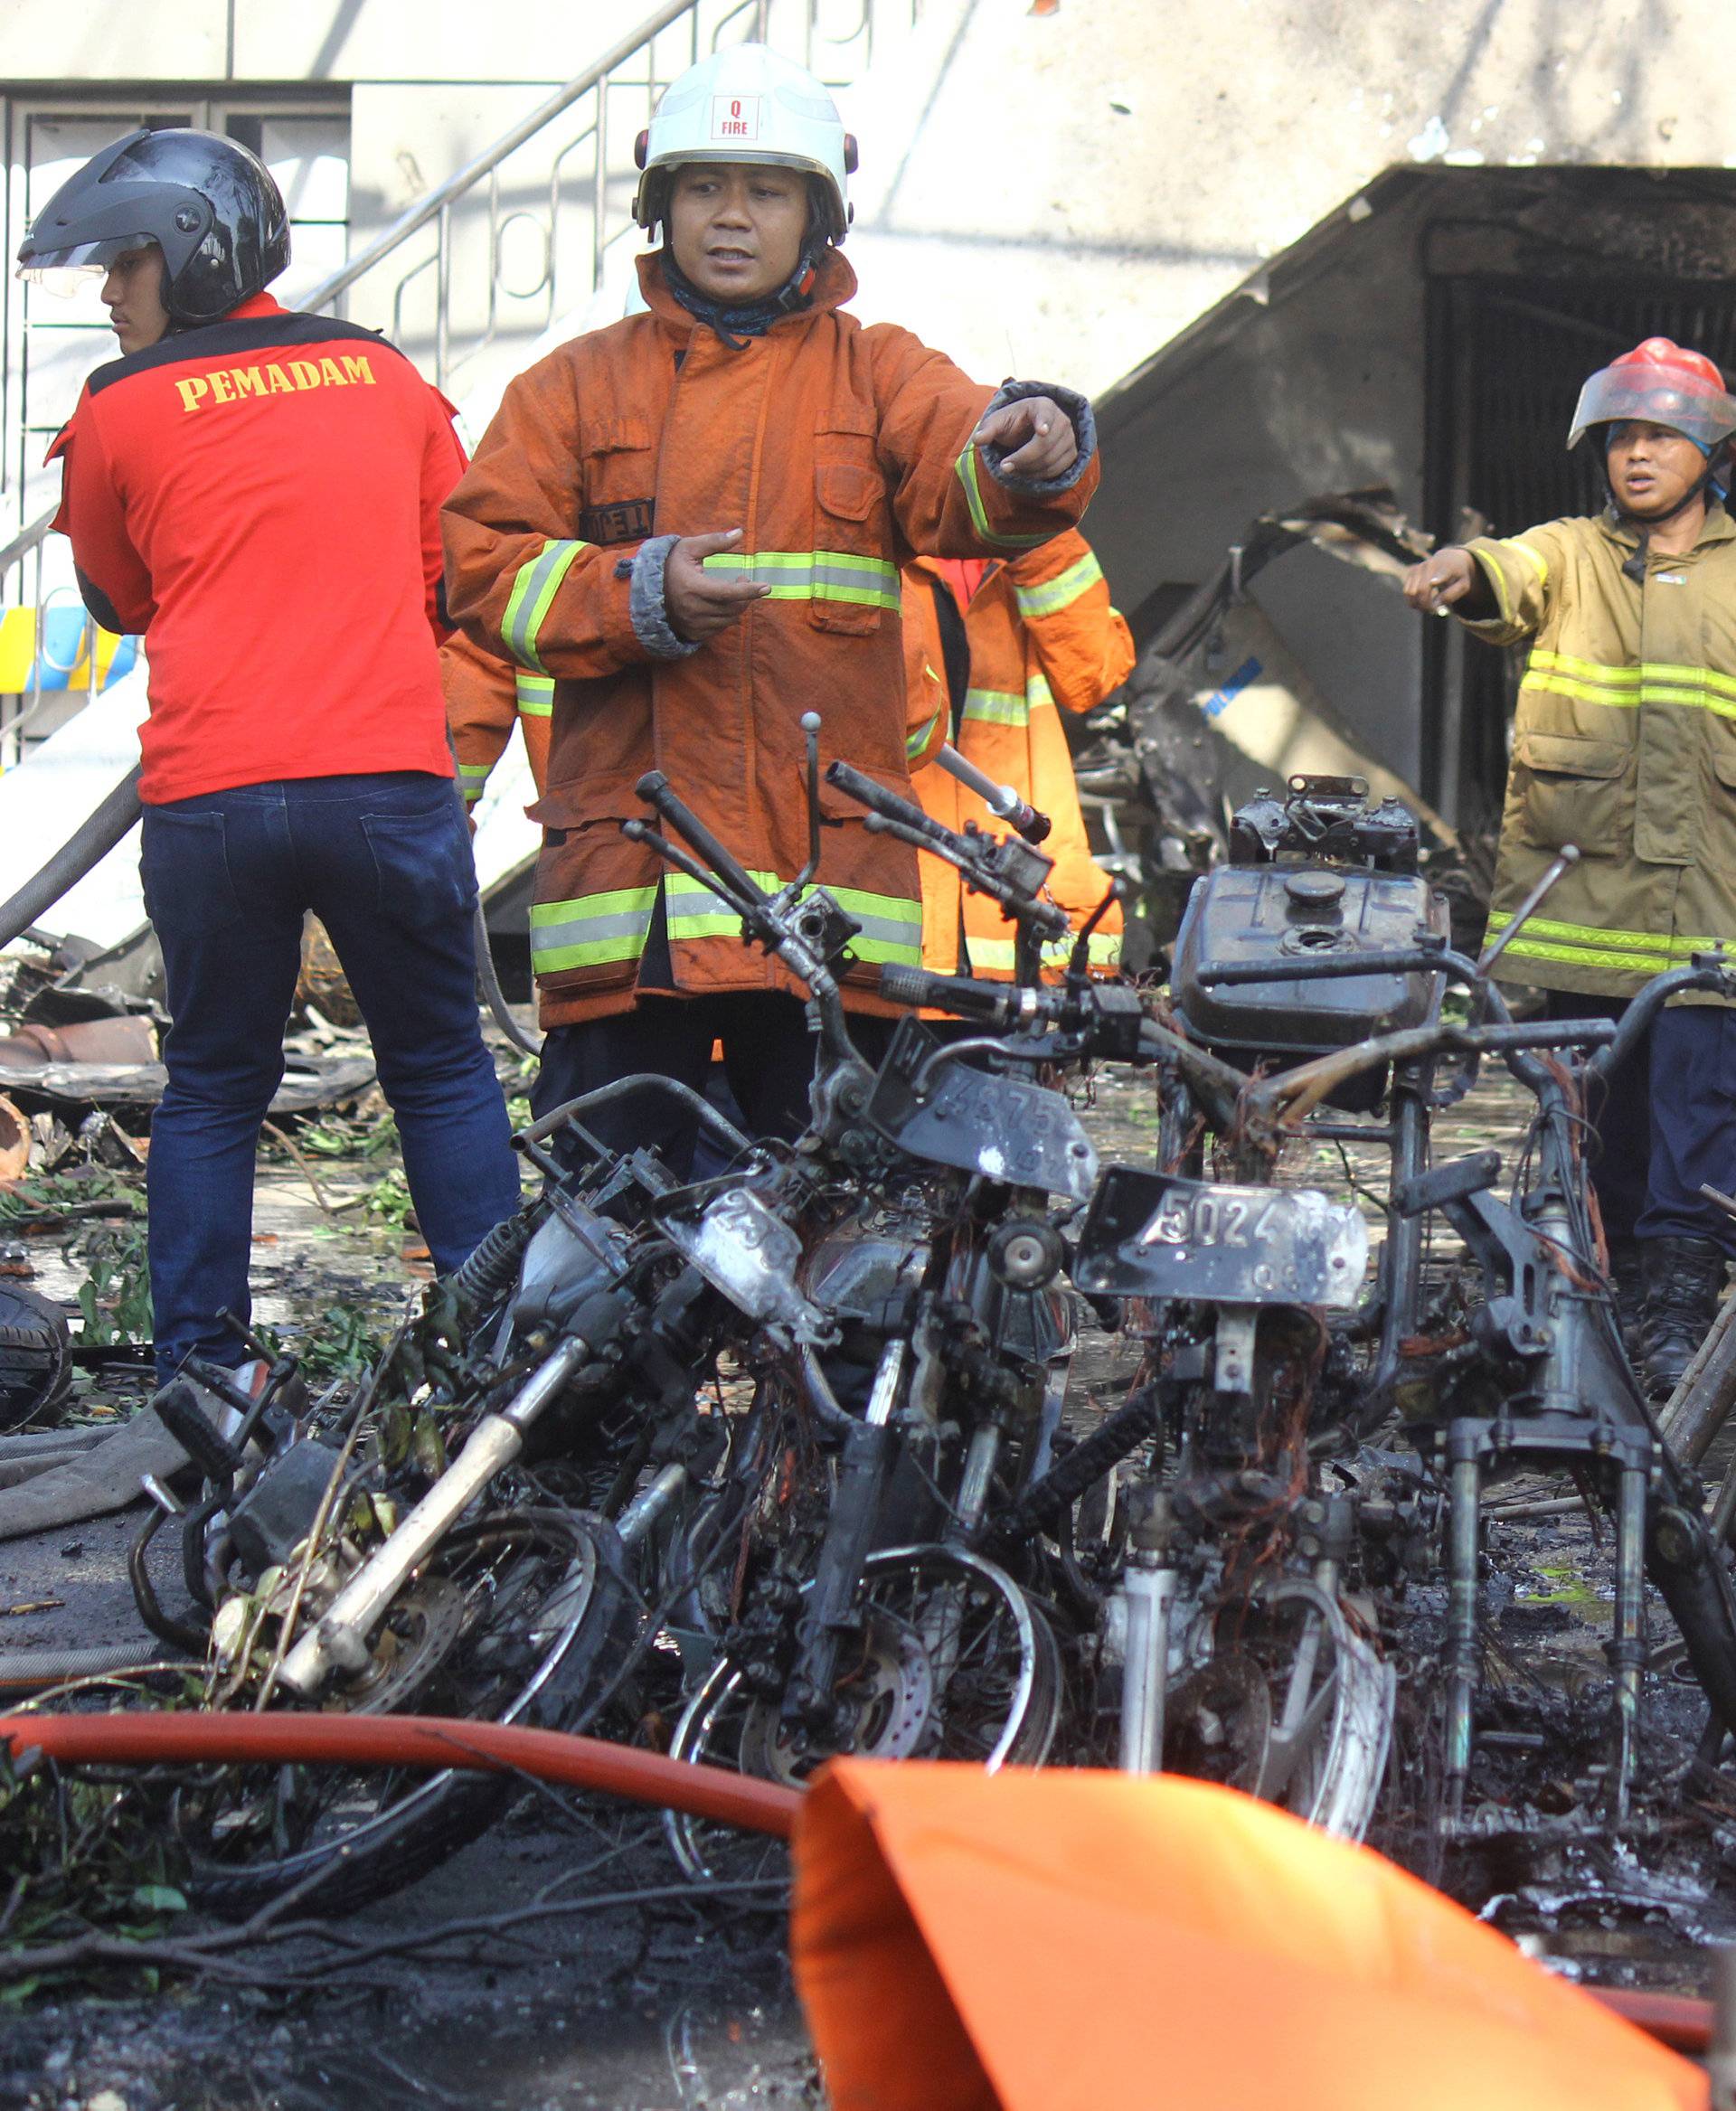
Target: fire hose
[(432, 1741)]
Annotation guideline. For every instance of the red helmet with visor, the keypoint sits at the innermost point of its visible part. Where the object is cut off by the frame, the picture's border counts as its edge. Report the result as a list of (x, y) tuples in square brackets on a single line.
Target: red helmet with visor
[(1663, 383)]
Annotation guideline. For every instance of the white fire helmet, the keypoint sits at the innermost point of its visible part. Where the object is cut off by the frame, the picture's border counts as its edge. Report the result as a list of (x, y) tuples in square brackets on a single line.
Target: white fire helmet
[(747, 103)]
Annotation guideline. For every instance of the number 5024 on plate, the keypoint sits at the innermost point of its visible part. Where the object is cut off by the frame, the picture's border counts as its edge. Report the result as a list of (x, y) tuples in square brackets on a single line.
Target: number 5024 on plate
[(1154, 1235)]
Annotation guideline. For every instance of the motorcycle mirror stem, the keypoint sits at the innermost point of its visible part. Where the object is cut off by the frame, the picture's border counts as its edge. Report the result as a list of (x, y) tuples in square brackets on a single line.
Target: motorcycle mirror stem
[(811, 724), (1562, 864), (1078, 964)]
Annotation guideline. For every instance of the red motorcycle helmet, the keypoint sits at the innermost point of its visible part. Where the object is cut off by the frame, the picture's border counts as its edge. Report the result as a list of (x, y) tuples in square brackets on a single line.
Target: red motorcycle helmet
[(1664, 384)]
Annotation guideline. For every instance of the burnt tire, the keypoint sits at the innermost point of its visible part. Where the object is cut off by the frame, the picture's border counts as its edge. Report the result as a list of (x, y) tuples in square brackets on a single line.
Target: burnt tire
[(35, 1356), (364, 1834)]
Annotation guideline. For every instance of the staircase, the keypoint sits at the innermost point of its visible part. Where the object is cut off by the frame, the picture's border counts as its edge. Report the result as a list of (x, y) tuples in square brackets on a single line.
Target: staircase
[(531, 239)]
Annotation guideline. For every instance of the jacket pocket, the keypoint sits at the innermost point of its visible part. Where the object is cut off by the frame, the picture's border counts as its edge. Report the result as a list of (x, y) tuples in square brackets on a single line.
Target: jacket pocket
[(619, 470), (850, 522), (1568, 789), (595, 892)]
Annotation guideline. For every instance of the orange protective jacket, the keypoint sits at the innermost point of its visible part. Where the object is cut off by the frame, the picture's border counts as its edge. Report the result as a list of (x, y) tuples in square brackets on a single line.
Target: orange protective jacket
[(837, 450), (485, 698), (1042, 634)]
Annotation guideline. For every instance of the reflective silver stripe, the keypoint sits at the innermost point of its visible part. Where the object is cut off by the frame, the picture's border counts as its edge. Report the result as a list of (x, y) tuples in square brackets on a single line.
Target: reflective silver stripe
[(536, 695), (532, 590), (1058, 592), (1038, 695), (592, 930), (914, 743)]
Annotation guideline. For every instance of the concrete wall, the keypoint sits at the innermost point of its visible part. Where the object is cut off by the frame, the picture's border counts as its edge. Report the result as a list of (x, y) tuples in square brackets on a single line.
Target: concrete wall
[(1080, 185)]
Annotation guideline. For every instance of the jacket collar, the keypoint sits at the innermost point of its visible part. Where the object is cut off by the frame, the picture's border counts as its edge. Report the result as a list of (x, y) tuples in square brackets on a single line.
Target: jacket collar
[(834, 284), (1717, 527)]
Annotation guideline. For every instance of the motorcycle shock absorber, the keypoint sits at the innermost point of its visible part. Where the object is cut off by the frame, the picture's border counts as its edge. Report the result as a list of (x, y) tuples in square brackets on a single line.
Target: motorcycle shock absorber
[(1116, 1438)]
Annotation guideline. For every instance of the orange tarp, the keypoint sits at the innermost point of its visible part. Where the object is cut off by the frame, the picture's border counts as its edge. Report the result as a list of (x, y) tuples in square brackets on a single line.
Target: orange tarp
[(1078, 1941)]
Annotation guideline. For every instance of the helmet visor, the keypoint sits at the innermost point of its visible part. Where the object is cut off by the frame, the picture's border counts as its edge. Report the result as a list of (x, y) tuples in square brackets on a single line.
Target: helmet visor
[(66, 272), (1684, 403)]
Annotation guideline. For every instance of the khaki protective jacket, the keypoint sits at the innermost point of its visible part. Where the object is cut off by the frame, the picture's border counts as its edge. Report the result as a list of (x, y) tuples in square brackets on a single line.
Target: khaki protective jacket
[(836, 449), (1624, 744), (1042, 634)]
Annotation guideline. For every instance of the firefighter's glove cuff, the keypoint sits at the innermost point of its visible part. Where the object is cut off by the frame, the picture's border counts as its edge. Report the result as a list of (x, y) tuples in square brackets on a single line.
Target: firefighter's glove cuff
[(1077, 407), (646, 605)]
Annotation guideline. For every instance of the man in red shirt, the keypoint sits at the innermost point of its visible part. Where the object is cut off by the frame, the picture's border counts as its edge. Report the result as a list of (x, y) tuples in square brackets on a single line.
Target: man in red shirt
[(258, 492)]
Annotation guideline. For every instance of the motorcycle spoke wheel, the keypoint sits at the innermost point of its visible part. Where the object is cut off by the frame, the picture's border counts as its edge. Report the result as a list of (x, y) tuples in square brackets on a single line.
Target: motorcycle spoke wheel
[(1297, 1711), (955, 1662), (517, 1618)]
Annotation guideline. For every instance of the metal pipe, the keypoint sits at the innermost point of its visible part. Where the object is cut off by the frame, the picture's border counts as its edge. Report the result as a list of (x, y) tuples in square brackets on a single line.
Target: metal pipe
[(1626, 1648), (340, 1640), (1148, 1594), (85, 848), (29, 1670), (638, 1520), (1461, 1636)]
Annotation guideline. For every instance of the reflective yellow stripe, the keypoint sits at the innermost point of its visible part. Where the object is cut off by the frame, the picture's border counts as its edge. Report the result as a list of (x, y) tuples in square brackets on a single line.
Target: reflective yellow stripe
[(1590, 946), (1583, 691), (534, 589), (1587, 670), (892, 925), (592, 930), (1664, 671), (814, 575), (1103, 949), (965, 469), (996, 707), (1497, 579), (1626, 688), (1061, 591), (1038, 695), (914, 743), (1525, 549), (535, 696), (473, 777)]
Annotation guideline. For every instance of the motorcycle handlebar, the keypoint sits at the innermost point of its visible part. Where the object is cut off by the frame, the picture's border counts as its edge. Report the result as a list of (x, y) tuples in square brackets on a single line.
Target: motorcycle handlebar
[(996, 1003), (653, 788)]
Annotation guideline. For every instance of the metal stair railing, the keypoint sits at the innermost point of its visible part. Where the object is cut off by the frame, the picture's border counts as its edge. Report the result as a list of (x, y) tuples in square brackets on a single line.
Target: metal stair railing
[(596, 87)]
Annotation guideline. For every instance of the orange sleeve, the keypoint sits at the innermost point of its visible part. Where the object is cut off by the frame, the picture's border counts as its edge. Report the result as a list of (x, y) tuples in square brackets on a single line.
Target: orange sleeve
[(1082, 643), (948, 500), (481, 709)]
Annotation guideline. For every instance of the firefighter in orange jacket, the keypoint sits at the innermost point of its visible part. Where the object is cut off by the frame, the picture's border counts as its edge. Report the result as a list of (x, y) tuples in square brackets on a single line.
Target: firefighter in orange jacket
[(692, 521), (1011, 642)]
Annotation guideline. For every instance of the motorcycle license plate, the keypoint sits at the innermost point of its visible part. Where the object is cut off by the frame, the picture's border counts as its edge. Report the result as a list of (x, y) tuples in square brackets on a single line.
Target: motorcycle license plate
[(1152, 1235)]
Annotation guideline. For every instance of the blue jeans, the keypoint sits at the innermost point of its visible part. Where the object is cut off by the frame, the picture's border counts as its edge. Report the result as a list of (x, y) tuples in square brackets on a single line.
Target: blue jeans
[(384, 862)]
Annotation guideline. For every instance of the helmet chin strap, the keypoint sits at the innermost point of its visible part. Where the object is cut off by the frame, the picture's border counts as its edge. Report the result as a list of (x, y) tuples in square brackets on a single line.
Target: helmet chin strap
[(1644, 524)]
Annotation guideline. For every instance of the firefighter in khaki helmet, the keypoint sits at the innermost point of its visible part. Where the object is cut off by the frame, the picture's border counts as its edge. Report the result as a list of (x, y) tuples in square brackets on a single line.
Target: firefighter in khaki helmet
[(1624, 745), (1009, 643), (692, 522)]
